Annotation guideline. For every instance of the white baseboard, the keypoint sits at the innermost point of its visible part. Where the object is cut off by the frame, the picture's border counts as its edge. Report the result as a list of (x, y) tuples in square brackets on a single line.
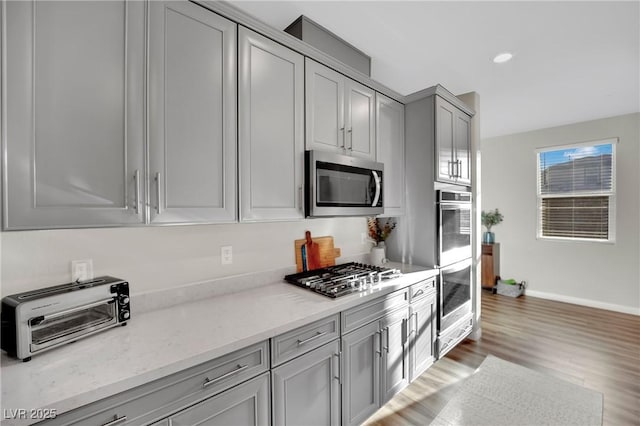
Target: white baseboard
[(584, 302)]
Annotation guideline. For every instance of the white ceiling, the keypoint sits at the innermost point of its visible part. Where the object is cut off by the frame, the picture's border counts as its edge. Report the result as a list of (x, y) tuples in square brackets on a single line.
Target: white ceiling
[(573, 61)]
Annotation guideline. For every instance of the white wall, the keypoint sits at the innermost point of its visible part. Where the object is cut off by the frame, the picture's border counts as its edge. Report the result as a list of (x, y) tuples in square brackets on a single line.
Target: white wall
[(153, 258), (594, 274)]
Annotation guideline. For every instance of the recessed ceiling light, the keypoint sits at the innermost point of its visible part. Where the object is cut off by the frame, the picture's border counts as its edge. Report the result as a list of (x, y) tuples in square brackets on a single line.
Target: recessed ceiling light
[(502, 57)]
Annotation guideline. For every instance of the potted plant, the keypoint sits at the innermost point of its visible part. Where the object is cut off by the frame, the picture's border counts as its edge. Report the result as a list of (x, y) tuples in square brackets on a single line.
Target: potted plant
[(378, 233), (489, 219)]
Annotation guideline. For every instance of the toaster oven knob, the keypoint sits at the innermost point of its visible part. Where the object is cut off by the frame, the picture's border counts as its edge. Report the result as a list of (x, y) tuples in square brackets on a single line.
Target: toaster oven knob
[(125, 315), (124, 300)]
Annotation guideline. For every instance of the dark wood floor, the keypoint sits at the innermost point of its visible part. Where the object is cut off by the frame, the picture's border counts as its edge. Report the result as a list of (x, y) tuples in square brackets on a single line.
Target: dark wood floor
[(594, 348)]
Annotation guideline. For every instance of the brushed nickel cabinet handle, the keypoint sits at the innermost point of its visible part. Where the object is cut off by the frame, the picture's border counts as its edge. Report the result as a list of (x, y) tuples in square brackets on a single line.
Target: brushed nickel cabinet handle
[(350, 131), (339, 376), (300, 199), (136, 201), (158, 192), (208, 382), (116, 421), (378, 350), (344, 138), (386, 348), (312, 338)]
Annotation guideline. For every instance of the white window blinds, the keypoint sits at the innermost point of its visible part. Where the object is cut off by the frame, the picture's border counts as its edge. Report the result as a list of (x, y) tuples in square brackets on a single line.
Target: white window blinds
[(576, 191)]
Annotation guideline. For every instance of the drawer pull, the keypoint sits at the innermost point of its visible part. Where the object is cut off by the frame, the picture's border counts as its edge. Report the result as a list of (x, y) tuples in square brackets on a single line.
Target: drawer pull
[(116, 421), (312, 338), (208, 382), (418, 293)]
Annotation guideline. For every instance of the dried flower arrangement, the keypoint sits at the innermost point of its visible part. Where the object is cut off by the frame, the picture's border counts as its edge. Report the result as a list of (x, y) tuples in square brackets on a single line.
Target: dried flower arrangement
[(378, 231)]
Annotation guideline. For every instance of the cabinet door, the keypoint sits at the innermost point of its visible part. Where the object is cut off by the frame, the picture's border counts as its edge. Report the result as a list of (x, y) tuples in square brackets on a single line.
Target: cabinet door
[(462, 147), (395, 368), (390, 151), (324, 108), (306, 390), (192, 112), (422, 322), (360, 120), (445, 121), (246, 404), (271, 135), (73, 98), (361, 378)]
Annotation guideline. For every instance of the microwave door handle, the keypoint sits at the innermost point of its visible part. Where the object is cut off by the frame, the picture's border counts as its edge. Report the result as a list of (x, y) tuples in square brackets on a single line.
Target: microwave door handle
[(376, 178)]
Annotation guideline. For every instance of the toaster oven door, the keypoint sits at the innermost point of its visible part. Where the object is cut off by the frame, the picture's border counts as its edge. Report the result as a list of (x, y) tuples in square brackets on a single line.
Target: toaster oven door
[(61, 327)]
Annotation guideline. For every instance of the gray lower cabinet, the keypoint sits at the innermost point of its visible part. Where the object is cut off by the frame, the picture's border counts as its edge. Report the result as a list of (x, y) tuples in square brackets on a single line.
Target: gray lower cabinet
[(192, 114), (390, 151), (306, 390), (361, 376), (270, 129), (220, 378), (375, 362), (394, 359), (74, 113), (244, 405), (421, 342)]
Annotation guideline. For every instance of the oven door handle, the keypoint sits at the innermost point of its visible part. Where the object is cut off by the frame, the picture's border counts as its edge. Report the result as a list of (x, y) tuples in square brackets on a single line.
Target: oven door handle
[(70, 311), (376, 178)]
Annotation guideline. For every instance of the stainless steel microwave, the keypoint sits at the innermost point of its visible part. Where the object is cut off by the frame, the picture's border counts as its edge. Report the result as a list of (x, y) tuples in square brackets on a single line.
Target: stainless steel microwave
[(338, 185)]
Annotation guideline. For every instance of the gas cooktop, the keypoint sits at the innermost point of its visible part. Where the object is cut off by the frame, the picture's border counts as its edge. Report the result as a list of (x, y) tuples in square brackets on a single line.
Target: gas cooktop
[(340, 280)]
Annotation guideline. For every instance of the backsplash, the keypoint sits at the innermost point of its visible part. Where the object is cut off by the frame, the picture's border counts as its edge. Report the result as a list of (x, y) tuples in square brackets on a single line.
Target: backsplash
[(157, 258)]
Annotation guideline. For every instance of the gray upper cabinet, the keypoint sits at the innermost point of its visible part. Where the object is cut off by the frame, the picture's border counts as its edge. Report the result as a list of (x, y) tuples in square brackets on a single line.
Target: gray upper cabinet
[(192, 114), (306, 391), (453, 143), (270, 129), (74, 114), (340, 113), (390, 151)]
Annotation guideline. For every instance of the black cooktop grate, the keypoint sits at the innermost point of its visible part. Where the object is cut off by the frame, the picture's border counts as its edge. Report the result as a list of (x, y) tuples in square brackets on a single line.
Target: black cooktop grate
[(341, 280)]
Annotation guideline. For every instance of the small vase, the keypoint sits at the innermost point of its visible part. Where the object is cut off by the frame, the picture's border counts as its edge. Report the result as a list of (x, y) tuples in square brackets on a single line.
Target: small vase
[(488, 237), (378, 254)]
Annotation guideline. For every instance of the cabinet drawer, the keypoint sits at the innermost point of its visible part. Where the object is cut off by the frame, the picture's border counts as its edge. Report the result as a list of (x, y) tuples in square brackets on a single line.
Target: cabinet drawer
[(422, 289), (247, 404), (453, 336), (158, 399), (301, 340), (363, 314)]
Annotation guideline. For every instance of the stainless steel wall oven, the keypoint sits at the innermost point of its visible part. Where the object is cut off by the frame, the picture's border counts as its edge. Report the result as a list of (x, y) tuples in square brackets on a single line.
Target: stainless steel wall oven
[(455, 317)]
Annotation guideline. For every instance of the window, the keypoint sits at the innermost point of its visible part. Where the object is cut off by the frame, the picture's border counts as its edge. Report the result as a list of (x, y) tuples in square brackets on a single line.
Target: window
[(576, 191)]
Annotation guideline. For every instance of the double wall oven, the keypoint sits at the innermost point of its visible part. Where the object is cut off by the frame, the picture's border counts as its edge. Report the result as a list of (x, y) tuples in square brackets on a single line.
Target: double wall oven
[(454, 259)]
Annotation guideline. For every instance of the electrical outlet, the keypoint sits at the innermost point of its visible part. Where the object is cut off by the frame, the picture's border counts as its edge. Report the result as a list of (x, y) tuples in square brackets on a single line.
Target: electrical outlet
[(81, 270), (226, 255)]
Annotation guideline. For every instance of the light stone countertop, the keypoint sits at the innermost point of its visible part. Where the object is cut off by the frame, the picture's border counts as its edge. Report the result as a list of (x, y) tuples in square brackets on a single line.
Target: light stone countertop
[(161, 342)]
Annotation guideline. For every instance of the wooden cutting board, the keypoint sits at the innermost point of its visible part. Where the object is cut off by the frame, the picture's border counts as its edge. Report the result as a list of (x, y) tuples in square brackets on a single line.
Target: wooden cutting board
[(319, 253)]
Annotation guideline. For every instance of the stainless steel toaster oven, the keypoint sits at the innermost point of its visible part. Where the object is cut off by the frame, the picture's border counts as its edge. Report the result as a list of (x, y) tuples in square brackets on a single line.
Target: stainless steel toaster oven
[(39, 320)]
